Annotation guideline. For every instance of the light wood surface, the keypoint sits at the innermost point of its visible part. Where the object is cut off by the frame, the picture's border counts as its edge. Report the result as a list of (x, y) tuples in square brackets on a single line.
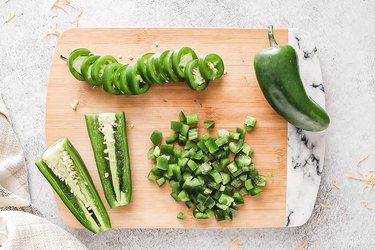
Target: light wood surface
[(227, 101)]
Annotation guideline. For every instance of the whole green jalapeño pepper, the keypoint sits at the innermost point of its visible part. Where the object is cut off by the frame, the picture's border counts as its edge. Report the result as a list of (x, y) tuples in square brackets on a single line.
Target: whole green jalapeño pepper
[(278, 75)]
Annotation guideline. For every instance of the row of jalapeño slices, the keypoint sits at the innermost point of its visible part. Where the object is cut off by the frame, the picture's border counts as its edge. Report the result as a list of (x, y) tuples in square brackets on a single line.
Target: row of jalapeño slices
[(150, 68)]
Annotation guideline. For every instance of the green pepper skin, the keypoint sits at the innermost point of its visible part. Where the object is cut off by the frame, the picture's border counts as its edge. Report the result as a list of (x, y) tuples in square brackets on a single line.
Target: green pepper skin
[(135, 81), (177, 56), (122, 158), (167, 66), (109, 85), (98, 68), (86, 68), (122, 81), (278, 76), (206, 63), (191, 79), (69, 199), (142, 67), (154, 69), (73, 56)]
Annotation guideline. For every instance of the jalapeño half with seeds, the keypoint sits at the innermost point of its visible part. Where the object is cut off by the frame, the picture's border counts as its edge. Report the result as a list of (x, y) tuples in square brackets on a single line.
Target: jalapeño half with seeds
[(107, 132), (65, 170)]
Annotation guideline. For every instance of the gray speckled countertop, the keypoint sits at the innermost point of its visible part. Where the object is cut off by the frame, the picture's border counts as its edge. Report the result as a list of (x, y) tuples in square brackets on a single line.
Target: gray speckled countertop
[(344, 33)]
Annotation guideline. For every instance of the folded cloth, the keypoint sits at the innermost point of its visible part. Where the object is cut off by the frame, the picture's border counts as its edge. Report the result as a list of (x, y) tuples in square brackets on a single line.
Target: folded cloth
[(21, 224)]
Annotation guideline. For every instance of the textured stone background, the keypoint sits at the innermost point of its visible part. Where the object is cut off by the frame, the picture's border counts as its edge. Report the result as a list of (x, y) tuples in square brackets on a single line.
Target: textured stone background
[(344, 33)]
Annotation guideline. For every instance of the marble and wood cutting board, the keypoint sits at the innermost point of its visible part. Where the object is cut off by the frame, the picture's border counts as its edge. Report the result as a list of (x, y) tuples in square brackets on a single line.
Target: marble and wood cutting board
[(294, 157)]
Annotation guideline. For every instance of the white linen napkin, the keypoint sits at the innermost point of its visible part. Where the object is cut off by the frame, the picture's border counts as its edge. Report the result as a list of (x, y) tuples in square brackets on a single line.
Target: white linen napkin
[(21, 224)]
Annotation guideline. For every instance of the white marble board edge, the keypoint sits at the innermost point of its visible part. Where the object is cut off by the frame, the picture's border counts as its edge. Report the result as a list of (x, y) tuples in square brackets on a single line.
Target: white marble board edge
[(306, 150)]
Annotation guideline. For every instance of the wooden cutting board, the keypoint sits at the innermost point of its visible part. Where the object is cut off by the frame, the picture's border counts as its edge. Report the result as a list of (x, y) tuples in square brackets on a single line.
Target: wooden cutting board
[(227, 101)]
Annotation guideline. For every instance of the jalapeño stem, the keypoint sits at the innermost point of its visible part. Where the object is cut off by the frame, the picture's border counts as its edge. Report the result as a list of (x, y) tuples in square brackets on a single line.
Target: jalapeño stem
[(271, 37), (64, 58)]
